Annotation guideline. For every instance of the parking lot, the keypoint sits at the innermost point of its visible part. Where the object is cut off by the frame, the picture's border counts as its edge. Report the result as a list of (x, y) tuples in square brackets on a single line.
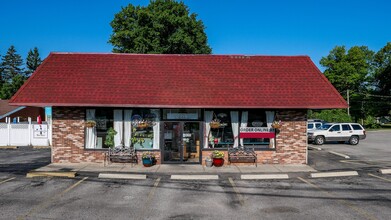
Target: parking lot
[(367, 196)]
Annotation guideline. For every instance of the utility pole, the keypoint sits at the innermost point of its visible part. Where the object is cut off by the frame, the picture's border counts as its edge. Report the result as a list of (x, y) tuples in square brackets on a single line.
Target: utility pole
[(348, 102)]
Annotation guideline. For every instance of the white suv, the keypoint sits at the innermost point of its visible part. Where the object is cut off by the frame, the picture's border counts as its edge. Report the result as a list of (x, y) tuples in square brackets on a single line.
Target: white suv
[(340, 132)]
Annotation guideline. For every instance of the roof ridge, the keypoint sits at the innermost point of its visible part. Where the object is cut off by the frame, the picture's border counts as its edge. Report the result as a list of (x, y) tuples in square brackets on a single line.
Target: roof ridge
[(139, 54)]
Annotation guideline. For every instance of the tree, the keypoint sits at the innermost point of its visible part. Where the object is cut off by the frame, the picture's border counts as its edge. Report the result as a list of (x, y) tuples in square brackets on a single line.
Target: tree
[(162, 27), (33, 60), (11, 65), (8, 89), (12, 75), (350, 70)]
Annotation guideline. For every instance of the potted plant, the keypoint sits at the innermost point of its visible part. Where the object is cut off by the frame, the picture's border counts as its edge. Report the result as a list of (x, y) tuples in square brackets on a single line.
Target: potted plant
[(90, 124), (215, 123), (110, 137), (218, 158), (277, 124), (148, 159)]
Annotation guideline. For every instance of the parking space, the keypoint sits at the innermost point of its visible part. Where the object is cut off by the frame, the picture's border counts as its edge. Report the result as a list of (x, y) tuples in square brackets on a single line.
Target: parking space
[(370, 154), (21, 160), (366, 196), (362, 197)]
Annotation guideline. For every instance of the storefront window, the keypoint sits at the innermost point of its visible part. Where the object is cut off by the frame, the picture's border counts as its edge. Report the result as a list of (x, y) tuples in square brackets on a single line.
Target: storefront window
[(256, 118), (134, 127), (143, 125), (221, 136), (224, 127), (104, 121)]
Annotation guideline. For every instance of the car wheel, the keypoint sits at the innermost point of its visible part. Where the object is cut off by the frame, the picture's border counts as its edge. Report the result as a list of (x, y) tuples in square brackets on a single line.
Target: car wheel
[(319, 140), (353, 140)]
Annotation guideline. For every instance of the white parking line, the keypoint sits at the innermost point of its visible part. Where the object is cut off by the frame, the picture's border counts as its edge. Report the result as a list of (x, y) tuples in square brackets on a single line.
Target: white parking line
[(314, 148), (4, 181), (339, 154), (379, 177), (240, 198)]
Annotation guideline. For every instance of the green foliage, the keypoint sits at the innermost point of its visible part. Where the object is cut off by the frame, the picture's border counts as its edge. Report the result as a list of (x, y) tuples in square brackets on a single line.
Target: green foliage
[(348, 69), (370, 122), (11, 65), (110, 137), (8, 89), (334, 115), (148, 155), (32, 61), (217, 154), (162, 27), (11, 73), (367, 76)]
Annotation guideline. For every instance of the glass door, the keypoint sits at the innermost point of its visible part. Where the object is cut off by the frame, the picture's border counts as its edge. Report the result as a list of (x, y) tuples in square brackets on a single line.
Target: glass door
[(181, 142)]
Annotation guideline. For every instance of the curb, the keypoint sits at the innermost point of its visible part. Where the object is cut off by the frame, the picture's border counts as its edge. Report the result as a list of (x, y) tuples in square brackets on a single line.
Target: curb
[(334, 174), (122, 176), (339, 154), (264, 177), (9, 147), (52, 174), (385, 171), (41, 147)]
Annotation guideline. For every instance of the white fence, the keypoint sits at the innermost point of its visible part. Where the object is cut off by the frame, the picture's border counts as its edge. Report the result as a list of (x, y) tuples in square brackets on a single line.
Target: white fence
[(25, 134)]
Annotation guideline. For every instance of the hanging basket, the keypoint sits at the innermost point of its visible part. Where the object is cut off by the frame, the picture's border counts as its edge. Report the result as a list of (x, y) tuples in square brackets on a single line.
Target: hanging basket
[(90, 124), (142, 125), (214, 124), (276, 126)]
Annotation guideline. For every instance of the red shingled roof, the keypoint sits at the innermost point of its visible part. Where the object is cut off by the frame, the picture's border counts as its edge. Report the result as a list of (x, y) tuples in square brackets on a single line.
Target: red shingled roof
[(138, 80)]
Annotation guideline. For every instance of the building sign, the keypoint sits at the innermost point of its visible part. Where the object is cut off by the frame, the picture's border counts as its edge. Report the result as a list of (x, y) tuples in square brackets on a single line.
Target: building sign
[(256, 132), (40, 131)]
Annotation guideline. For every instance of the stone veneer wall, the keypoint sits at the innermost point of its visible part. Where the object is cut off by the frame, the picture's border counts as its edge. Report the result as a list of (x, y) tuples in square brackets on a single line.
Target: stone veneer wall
[(291, 141), (69, 141)]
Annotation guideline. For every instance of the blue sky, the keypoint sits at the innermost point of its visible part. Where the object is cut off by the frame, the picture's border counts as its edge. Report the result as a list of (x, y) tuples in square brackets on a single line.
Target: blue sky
[(252, 27)]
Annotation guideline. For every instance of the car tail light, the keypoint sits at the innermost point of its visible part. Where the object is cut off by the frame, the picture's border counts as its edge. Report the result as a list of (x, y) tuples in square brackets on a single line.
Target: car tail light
[(364, 132)]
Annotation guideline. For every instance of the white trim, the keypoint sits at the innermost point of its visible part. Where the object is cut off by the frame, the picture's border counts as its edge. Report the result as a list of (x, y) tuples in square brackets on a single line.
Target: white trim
[(12, 112)]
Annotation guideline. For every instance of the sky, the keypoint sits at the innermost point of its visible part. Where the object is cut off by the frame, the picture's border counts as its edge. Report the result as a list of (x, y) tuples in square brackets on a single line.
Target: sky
[(248, 27)]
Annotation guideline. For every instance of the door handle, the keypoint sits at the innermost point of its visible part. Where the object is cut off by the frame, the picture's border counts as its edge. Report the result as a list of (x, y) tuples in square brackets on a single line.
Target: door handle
[(338, 132)]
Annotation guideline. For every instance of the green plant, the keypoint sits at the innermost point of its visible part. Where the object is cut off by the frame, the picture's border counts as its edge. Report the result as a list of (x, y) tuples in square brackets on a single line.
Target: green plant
[(110, 137), (333, 115), (217, 154), (148, 155), (370, 122)]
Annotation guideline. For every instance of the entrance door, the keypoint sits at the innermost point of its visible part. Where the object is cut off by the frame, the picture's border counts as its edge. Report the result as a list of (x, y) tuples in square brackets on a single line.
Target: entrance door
[(181, 142)]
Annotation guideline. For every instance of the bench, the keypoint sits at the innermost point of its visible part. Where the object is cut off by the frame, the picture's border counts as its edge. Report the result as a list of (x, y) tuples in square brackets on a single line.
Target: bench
[(242, 155), (122, 155)]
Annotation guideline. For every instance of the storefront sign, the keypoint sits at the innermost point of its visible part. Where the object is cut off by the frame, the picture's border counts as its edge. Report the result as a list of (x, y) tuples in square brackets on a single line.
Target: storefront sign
[(256, 132), (40, 131)]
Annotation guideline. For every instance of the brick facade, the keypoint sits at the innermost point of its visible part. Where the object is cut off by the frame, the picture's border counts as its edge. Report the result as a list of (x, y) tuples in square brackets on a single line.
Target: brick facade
[(69, 131), (68, 137)]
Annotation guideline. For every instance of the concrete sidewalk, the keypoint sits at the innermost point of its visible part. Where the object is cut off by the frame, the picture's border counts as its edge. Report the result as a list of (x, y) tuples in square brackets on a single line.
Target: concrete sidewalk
[(175, 168)]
